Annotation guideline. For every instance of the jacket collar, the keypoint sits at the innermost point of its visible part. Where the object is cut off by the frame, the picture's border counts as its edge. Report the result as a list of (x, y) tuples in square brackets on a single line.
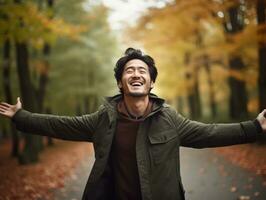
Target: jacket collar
[(110, 103)]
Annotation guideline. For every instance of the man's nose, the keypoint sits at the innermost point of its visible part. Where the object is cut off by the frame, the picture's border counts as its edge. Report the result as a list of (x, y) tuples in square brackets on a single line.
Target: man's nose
[(136, 73)]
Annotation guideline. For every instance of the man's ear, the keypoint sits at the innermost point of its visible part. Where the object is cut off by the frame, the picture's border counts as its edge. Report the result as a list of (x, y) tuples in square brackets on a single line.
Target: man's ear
[(119, 84), (152, 84)]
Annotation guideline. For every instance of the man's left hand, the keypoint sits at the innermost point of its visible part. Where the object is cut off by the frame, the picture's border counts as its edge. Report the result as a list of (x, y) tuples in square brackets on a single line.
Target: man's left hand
[(262, 120)]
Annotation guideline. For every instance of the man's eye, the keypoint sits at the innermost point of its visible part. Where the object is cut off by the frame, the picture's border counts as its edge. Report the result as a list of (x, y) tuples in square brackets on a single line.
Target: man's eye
[(129, 71), (142, 71)]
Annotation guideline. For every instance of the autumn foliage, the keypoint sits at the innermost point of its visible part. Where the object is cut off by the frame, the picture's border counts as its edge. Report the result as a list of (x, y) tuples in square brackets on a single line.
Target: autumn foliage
[(187, 37)]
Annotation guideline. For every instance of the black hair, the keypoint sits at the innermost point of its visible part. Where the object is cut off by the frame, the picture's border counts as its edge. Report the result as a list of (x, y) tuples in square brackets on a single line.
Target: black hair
[(131, 54)]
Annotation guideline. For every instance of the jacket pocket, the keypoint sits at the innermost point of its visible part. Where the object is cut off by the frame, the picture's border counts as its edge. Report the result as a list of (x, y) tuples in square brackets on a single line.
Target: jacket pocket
[(163, 145)]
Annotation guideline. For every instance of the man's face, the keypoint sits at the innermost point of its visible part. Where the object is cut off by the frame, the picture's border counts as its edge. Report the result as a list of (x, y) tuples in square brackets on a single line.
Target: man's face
[(136, 80)]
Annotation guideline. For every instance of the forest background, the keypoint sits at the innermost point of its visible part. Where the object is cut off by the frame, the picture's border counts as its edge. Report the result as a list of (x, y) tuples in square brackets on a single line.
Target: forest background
[(58, 56)]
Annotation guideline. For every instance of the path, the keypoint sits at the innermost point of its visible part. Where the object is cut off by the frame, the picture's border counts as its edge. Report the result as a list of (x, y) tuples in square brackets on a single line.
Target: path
[(75, 183), (205, 175)]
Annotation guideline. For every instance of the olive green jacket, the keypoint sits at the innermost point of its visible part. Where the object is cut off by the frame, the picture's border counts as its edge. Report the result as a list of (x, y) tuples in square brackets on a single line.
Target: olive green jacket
[(159, 137)]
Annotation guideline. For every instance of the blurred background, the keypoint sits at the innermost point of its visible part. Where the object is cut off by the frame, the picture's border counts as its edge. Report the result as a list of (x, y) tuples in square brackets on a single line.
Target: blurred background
[(58, 56)]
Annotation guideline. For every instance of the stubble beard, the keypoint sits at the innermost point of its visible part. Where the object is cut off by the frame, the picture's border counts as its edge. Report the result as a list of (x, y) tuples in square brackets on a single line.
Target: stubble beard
[(138, 94)]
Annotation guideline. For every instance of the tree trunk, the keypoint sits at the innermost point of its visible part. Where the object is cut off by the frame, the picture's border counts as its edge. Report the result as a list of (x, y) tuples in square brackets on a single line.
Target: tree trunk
[(50, 141), (78, 109), (8, 94), (261, 18), (93, 103), (197, 98), (198, 113), (238, 94), (43, 80), (30, 151), (211, 87), (96, 103), (180, 104), (3, 131), (193, 97), (86, 104)]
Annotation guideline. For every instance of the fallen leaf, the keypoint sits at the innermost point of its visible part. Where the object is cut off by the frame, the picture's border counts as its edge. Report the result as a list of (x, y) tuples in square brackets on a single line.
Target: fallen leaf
[(243, 198), (256, 194), (233, 189)]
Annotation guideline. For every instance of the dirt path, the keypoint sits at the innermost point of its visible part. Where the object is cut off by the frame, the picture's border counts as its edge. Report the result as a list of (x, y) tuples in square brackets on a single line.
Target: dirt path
[(209, 176), (206, 176), (75, 183)]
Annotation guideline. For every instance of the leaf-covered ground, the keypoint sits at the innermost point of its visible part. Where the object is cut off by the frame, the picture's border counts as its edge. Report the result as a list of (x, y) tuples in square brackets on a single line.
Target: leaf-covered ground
[(248, 156), (36, 181)]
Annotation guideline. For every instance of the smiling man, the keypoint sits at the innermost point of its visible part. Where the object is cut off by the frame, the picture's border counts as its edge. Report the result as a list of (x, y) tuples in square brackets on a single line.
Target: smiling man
[(136, 136), (136, 81)]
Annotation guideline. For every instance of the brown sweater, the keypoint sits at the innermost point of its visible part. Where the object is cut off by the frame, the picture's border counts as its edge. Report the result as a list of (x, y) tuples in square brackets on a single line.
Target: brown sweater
[(123, 159)]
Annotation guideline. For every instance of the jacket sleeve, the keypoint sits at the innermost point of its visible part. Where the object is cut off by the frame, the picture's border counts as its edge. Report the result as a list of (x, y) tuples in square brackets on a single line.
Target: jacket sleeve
[(200, 135), (80, 128)]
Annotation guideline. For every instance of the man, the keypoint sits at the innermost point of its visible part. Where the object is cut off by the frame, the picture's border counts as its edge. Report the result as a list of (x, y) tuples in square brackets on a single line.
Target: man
[(136, 136)]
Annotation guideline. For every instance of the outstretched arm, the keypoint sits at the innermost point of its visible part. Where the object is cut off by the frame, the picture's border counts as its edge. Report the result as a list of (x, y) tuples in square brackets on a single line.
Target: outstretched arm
[(200, 135), (79, 128)]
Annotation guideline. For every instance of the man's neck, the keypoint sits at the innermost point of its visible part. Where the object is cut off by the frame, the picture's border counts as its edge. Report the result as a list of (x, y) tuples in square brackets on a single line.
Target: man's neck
[(136, 106)]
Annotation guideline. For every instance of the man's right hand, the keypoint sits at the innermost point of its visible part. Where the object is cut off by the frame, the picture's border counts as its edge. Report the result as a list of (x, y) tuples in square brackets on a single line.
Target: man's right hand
[(8, 110)]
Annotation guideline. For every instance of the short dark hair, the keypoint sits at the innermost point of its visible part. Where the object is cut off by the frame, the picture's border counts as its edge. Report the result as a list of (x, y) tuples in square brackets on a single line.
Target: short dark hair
[(131, 54)]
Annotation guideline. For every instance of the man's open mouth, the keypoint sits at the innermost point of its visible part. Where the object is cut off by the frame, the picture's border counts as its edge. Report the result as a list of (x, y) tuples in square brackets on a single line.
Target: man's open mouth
[(136, 83)]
